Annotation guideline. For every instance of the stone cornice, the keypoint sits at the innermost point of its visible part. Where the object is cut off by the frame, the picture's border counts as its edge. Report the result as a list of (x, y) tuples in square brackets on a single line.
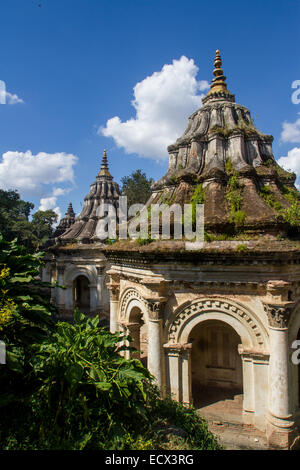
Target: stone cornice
[(138, 258)]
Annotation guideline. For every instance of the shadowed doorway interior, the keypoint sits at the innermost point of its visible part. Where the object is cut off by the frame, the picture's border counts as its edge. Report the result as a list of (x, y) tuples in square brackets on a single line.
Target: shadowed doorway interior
[(81, 291), (217, 378)]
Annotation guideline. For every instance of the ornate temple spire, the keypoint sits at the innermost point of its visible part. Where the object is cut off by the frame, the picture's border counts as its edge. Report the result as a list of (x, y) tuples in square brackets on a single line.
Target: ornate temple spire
[(104, 171), (70, 211), (218, 84)]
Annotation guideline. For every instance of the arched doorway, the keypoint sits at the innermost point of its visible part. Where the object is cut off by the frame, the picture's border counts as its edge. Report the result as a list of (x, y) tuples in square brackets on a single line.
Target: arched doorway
[(217, 377), (81, 293), (137, 328)]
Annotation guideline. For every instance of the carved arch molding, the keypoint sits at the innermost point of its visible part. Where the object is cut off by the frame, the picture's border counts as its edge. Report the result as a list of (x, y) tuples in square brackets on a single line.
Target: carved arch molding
[(198, 307), (129, 295)]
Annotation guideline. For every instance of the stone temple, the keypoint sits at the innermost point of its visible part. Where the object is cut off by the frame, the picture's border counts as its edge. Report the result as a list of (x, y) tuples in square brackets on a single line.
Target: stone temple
[(216, 325)]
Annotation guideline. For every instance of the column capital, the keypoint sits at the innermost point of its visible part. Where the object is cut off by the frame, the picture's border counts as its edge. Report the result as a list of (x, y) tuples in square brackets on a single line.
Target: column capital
[(155, 307), (278, 314), (114, 289)]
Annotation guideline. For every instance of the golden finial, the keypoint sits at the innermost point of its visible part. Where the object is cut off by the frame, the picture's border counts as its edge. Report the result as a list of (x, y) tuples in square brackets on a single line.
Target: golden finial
[(104, 171), (218, 83)]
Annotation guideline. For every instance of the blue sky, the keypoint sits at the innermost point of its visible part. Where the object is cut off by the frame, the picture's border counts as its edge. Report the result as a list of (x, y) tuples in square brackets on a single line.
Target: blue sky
[(70, 66)]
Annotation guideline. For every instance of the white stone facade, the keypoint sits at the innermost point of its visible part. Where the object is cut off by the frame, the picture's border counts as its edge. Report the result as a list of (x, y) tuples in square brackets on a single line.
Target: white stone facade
[(252, 305), (87, 264)]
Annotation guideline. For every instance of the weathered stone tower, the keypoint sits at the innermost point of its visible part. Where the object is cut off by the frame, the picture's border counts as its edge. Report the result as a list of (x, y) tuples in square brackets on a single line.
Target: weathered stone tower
[(233, 167), (66, 222), (220, 323)]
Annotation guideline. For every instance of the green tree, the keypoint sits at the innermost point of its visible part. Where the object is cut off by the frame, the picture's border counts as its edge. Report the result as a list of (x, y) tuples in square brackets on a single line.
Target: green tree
[(13, 210), (15, 223), (137, 187), (42, 226)]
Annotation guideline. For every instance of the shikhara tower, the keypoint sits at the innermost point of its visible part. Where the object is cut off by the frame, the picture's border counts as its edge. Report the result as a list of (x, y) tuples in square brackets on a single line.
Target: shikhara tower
[(103, 190), (230, 163)]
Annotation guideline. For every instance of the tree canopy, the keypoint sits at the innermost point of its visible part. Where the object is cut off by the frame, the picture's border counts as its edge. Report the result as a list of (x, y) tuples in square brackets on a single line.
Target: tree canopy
[(15, 223), (137, 187)]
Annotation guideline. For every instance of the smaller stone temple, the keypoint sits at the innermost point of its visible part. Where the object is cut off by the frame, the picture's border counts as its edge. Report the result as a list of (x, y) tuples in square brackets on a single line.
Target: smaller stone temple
[(65, 222), (76, 259)]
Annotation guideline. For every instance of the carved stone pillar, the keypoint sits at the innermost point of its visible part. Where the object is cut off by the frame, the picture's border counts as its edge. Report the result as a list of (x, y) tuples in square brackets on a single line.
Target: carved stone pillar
[(114, 289), (60, 295), (281, 427), (179, 378), (100, 271), (155, 362)]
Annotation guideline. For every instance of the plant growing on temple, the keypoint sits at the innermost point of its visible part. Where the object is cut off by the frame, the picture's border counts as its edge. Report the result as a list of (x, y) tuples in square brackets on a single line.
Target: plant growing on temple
[(198, 197), (235, 199)]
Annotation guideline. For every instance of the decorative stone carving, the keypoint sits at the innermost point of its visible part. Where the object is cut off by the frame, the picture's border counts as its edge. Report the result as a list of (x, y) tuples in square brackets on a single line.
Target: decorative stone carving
[(126, 297), (155, 308), (278, 315), (114, 289), (198, 307)]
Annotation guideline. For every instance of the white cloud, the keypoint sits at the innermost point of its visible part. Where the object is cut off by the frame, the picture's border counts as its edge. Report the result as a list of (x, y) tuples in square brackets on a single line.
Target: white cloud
[(32, 174), (163, 102), (291, 162), (12, 98), (291, 131)]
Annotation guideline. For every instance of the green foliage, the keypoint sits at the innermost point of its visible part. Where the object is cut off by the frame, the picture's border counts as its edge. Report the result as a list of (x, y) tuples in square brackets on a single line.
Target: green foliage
[(235, 199), (15, 223), (228, 166), (89, 397), (89, 394), (30, 321), (198, 197), (242, 248), (269, 198), (291, 214), (109, 241), (144, 241), (137, 188)]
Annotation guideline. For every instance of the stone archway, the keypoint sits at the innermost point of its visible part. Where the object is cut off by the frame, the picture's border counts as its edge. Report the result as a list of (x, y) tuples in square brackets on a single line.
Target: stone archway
[(138, 330), (246, 331), (81, 294), (216, 370), (134, 318)]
